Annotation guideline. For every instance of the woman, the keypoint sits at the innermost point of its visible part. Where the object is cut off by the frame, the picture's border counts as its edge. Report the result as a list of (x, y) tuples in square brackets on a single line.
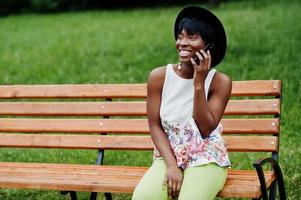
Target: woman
[(185, 104)]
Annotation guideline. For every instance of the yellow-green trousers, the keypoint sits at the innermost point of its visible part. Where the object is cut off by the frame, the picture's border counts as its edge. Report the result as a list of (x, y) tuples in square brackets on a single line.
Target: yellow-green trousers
[(199, 183)]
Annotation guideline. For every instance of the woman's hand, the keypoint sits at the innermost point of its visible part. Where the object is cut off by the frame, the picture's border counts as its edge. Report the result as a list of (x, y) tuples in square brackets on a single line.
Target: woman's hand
[(201, 70), (173, 181)]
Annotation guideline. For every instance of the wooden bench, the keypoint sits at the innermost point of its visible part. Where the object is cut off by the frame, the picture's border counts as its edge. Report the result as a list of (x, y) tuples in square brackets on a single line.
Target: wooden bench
[(102, 117)]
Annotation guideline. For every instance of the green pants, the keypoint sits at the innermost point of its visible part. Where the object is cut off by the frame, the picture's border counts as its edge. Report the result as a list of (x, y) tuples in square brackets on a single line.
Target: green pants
[(199, 183)]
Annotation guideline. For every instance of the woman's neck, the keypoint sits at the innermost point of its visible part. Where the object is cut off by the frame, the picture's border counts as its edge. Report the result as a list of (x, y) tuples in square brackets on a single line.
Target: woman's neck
[(185, 70)]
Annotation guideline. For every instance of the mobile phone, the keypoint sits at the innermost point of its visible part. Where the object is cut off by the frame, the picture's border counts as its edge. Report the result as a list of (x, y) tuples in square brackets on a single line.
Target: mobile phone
[(209, 47)]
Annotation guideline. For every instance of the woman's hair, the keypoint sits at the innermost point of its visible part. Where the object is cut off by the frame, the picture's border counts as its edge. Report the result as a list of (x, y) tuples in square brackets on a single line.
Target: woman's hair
[(194, 26)]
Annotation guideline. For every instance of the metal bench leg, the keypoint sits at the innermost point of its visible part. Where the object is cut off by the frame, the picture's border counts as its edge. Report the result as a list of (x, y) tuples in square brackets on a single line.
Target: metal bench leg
[(108, 196), (72, 194), (279, 177), (99, 161), (273, 189), (93, 196)]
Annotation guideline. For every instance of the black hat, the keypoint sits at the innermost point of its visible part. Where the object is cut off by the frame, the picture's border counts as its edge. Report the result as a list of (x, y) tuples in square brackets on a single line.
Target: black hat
[(220, 40)]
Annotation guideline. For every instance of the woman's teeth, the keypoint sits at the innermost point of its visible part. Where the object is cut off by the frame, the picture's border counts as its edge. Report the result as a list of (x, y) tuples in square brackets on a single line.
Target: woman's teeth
[(184, 53)]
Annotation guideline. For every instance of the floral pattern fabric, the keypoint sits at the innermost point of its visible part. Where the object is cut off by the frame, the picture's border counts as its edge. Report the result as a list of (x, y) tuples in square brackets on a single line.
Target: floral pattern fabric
[(190, 149)]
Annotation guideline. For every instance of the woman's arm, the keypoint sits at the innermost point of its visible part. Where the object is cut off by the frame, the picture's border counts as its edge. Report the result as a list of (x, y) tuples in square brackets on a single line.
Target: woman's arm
[(154, 90), (207, 114)]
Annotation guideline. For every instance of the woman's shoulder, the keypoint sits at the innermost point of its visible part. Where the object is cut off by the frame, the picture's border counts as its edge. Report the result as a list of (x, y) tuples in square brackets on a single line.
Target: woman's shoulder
[(156, 79), (221, 81), (157, 74), (222, 78)]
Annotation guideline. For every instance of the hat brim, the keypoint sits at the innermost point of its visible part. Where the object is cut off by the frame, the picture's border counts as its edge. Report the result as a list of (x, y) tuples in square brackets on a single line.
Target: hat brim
[(209, 18)]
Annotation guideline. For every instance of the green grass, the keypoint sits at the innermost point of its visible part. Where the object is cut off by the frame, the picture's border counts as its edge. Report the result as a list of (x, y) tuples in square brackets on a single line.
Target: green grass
[(121, 46)]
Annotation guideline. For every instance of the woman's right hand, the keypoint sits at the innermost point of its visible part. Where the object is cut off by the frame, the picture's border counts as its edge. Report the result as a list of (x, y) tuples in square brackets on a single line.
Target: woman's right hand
[(173, 181)]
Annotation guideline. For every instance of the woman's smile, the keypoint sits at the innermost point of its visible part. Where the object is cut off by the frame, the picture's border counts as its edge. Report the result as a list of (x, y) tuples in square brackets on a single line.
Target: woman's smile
[(184, 53)]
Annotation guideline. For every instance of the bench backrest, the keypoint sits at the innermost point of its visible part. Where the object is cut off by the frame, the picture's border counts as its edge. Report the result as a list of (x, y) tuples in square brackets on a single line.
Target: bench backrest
[(84, 116)]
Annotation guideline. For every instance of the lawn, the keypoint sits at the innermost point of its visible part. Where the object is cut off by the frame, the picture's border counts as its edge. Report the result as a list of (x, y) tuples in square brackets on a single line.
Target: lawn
[(121, 46)]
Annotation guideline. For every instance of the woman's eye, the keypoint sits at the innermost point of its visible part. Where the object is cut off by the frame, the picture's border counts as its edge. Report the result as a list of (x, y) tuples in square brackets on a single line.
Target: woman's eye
[(193, 37)]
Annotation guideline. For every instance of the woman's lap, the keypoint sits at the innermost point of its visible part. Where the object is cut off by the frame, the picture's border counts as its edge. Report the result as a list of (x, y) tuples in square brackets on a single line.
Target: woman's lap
[(202, 182), (199, 183)]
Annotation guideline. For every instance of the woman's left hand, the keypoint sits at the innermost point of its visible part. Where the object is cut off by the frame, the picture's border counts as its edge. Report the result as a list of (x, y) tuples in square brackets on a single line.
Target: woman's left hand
[(201, 70)]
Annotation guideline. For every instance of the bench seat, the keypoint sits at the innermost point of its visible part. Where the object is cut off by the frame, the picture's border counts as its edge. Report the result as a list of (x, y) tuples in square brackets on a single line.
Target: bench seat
[(92, 178)]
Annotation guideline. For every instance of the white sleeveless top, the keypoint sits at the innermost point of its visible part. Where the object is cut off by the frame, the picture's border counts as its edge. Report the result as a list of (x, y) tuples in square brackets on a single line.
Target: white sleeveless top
[(176, 114)]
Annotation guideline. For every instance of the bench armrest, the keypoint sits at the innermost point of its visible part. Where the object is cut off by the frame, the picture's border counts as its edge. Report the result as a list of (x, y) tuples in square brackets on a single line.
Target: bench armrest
[(279, 176)]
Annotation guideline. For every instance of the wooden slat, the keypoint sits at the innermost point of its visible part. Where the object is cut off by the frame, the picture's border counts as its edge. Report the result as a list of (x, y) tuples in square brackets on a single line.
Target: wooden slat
[(70, 168), (76, 141), (92, 169), (256, 88), (75, 125), (65, 173), (100, 185), (234, 143), (79, 170), (255, 126), (240, 88), (73, 108), (251, 126), (136, 108), (253, 107), (240, 183), (252, 143), (74, 91)]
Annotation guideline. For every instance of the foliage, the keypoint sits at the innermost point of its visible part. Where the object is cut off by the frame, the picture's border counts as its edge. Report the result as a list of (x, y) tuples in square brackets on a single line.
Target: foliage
[(46, 6)]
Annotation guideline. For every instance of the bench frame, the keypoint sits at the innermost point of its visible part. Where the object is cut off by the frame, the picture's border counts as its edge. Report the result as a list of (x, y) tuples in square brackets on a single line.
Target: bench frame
[(268, 180)]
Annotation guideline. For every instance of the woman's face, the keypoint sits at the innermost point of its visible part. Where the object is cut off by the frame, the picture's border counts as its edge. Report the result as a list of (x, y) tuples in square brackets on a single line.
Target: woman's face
[(187, 45)]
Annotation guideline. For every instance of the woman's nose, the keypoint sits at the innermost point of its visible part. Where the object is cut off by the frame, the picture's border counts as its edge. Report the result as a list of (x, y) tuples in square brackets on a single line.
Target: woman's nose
[(183, 42)]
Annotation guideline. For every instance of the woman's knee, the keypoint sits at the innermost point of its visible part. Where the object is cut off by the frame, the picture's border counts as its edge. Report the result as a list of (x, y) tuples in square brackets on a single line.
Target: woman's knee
[(149, 194), (150, 186)]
